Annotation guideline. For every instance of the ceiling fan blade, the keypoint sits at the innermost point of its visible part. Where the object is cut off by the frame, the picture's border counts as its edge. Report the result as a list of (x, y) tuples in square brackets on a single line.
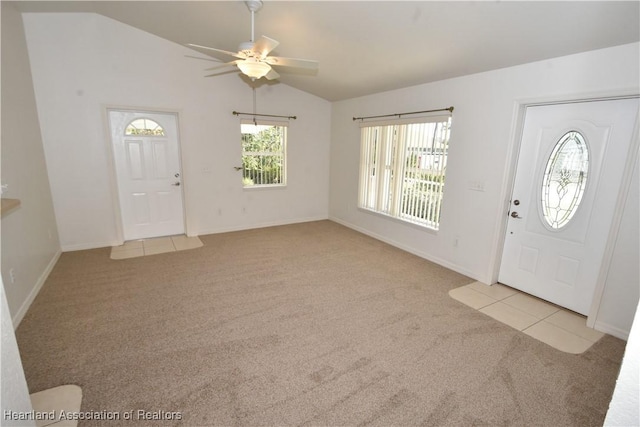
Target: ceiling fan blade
[(226, 52), (264, 45), (221, 73), (203, 59), (226, 64), (272, 75), (292, 62)]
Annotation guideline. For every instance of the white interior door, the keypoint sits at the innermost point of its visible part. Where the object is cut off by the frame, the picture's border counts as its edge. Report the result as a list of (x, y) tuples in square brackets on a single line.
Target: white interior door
[(569, 171), (147, 160)]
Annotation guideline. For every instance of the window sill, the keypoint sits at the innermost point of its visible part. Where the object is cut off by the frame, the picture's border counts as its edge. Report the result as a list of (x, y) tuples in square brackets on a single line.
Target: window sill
[(265, 187), (400, 221), (8, 205)]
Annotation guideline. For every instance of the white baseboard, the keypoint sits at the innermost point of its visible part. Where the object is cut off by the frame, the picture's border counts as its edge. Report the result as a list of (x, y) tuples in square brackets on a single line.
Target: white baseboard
[(259, 225), (86, 246), (611, 330), (34, 292), (413, 251), (192, 233)]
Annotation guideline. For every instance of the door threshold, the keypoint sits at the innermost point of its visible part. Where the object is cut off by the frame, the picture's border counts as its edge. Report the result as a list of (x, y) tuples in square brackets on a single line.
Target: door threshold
[(155, 245)]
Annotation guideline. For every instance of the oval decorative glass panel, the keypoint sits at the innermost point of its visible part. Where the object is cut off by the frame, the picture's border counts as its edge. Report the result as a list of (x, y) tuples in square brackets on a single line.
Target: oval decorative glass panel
[(565, 178), (144, 127)]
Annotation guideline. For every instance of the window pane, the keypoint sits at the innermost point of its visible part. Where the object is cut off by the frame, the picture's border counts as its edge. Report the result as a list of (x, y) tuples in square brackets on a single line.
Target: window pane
[(564, 180), (424, 172), (402, 169), (263, 154), (145, 127)]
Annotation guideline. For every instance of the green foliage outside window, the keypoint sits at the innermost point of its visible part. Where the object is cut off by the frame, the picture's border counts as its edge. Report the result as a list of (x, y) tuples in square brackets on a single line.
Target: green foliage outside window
[(263, 156)]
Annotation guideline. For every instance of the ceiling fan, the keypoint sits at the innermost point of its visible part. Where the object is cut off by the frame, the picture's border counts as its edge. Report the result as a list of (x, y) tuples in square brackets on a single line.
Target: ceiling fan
[(253, 59)]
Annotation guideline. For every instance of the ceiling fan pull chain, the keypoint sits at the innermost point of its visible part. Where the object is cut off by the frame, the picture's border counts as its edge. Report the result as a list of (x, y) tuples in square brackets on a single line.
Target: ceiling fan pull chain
[(253, 17), (254, 106)]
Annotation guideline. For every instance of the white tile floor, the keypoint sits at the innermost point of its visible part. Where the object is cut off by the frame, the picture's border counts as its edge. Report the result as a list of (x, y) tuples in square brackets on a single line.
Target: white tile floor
[(546, 322), (156, 245), (67, 398)]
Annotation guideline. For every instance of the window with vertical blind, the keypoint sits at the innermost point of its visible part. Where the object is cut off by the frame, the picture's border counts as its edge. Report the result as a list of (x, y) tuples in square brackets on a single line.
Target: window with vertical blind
[(402, 168), (263, 153)]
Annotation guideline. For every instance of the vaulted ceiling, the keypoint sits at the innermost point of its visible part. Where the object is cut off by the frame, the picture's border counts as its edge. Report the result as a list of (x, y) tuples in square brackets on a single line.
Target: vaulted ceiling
[(367, 47)]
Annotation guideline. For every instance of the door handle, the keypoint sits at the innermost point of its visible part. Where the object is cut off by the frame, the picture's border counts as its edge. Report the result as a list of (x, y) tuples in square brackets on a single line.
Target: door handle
[(514, 214), (176, 184)]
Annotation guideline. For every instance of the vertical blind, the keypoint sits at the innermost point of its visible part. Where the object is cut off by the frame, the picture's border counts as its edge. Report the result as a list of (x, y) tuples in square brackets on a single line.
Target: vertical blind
[(402, 168)]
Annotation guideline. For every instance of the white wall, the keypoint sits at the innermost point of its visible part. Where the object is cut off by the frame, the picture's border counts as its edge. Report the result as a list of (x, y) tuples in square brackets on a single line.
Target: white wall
[(482, 146), (83, 63), (624, 409), (23, 244), (30, 244), (14, 395), (622, 287)]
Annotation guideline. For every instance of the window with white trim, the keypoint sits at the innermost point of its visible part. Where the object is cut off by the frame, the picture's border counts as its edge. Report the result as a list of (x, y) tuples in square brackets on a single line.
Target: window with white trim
[(402, 168), (263, 153)]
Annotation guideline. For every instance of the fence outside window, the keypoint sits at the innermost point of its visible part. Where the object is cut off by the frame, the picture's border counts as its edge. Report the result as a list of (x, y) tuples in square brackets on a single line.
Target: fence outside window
[(402, 169)]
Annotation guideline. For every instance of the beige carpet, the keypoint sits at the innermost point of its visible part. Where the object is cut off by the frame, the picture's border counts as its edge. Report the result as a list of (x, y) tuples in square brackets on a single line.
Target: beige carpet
[(307, 324)]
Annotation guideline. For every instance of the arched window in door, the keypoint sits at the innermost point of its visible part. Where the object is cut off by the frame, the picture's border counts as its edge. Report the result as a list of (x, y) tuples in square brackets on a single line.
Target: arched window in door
[(144, 127)]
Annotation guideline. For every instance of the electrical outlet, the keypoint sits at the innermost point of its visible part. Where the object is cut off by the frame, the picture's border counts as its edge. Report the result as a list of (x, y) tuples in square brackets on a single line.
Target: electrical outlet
[(12, 275)]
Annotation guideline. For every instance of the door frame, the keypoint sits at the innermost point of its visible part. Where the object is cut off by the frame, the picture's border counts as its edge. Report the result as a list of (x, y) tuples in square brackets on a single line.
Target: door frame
[(518, 117), (113, 176)]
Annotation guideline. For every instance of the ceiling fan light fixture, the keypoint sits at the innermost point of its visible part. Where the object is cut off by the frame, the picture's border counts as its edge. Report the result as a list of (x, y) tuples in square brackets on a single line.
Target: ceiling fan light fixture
[(254, 69), (253, 56)]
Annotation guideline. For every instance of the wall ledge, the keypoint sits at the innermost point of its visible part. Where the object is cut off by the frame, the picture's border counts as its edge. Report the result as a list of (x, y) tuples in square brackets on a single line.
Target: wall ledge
[(8, 205)]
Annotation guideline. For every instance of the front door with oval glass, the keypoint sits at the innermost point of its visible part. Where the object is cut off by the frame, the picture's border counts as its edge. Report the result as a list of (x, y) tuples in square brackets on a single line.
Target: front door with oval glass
[(147, 164), (570, 167)]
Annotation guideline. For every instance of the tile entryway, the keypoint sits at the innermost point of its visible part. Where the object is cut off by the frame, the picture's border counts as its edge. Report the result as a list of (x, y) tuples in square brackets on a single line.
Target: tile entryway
[(156, 245), (546, 322), (52, 403)]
